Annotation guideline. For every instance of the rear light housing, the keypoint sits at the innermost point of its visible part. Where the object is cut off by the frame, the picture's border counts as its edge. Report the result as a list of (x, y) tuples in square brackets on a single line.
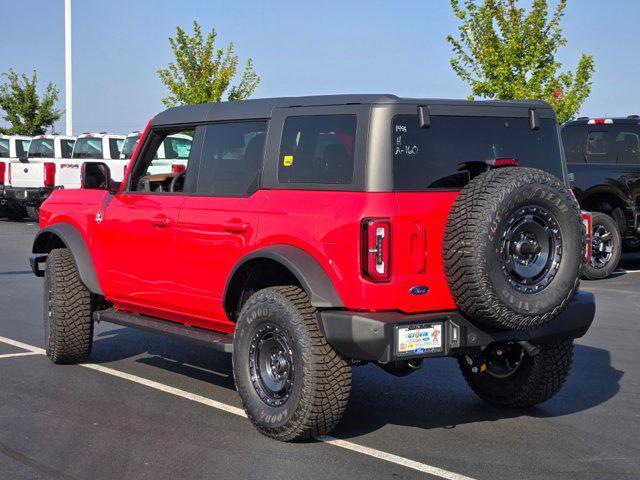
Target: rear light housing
[(177, 168), (586, 221), (3, 171), (376, 249), (49, 174), (600, 121), (503, 162)]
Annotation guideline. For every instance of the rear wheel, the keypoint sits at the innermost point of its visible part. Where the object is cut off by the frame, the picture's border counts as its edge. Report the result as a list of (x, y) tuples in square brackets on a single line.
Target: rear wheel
[(508, 376), (68, 325), (293, 385), (606, 246)]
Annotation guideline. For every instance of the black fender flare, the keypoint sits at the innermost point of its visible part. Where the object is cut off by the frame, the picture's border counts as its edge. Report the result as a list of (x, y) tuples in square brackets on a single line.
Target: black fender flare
[(306, 269), (72, 240)]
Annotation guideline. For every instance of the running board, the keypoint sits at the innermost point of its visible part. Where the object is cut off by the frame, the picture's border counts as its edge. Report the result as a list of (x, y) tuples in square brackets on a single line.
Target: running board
[(220, 341)]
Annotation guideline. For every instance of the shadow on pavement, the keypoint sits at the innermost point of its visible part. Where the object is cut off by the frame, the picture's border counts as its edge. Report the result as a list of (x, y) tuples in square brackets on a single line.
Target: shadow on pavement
[(434, 397)]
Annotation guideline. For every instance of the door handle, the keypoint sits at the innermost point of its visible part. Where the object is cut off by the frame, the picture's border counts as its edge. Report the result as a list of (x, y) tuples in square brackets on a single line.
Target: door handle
[(235, 227), (161, 221)]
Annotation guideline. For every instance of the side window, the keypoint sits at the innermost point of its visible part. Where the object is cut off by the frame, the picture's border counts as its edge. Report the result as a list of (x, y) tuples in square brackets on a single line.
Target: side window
[(232, 158), (67, 147), (115, 147), (628, 147), (317, 149), (4, 148), (574, 140), (151, 176)]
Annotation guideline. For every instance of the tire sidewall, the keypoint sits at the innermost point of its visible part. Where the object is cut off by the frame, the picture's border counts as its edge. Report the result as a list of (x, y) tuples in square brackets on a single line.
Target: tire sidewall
[(252, 317), (593, 273), (555, 293)]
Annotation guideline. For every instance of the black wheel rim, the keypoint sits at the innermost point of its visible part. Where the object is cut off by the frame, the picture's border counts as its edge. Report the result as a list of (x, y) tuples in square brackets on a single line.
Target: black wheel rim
[(601, 247), (503, 360), (530, 249), (271, 365)]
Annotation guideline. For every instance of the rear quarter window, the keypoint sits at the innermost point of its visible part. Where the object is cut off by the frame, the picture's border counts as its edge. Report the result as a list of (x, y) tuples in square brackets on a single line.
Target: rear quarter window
[(4, 148), (317, 149), (431, 158)]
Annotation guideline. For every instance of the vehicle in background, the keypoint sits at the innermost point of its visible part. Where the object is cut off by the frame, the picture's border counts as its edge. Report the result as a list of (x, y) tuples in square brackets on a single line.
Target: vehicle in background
[(31, 178), (171, 156), (16, 147), (603, 159)]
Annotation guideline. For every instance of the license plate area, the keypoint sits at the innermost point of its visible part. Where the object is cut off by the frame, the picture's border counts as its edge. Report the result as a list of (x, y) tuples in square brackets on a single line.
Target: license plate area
[(418, 339)]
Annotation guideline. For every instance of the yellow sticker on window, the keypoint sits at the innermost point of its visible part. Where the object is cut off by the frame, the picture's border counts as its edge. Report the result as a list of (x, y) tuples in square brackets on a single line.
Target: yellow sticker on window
[(288, 160)]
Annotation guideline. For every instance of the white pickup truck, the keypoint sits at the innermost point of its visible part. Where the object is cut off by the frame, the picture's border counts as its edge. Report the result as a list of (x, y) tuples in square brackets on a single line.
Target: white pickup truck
[(171, 156), (11, 147), (62, 170), (32, 178)]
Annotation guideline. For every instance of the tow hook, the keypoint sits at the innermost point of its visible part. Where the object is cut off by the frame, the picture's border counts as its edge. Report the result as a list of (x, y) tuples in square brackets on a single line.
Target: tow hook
[(529, 348)]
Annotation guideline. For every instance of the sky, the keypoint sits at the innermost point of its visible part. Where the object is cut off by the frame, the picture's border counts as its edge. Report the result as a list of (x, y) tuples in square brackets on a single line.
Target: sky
[(298, 48)]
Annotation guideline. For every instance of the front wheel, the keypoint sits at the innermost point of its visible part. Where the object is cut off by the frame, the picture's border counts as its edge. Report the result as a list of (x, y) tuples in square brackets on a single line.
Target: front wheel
[(606, 246), (68, 327), (506, 375), (292, 384)]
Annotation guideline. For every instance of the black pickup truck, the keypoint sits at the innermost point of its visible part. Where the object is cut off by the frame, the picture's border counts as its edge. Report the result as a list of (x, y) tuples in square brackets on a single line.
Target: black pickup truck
[(603, 158)]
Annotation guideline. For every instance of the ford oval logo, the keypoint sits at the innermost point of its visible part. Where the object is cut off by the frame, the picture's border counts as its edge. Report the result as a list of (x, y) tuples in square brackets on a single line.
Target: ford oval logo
[(419, 290), (26, 170)]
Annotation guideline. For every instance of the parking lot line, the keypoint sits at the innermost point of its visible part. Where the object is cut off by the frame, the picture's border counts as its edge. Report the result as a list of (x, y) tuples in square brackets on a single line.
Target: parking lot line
[(354, 447), (20, 354)]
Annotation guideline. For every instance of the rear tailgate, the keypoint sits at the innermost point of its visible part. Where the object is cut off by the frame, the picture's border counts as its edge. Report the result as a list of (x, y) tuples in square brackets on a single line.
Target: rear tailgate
[(26, 175), (431, 165)]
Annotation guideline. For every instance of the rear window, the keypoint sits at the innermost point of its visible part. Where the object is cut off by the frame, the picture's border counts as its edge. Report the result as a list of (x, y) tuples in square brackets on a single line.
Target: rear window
[(433, 157), (67, 147), (602, 143), (177, 146), (88, 147), (4, 148), (115, 147), (41, 148), (317, 149), (129, 146), (22, 147)]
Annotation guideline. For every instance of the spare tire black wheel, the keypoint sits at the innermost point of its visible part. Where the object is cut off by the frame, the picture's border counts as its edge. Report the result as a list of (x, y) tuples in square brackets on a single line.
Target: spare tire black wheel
[(606, 247), (513, 248)]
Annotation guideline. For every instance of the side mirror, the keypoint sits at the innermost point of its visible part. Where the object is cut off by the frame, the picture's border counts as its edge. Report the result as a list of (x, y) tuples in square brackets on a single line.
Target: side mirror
[(97, 176)]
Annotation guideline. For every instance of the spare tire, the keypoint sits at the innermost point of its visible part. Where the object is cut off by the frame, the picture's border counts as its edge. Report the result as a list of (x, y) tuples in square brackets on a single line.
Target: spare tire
[(514, 245)]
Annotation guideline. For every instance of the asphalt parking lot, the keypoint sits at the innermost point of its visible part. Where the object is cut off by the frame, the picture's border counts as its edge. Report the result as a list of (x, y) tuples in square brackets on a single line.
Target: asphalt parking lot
[(151, 407)]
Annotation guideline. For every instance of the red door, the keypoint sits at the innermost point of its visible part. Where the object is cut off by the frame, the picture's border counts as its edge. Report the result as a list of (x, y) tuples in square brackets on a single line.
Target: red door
[(135, 241), (214, 234)]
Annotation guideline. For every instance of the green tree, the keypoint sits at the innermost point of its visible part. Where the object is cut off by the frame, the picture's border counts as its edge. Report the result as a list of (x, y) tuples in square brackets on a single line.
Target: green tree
[(25, 111), (507, 52), (203, 73)]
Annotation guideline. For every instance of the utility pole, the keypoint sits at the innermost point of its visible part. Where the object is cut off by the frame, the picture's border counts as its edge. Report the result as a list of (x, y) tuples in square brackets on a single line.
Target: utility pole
[(67, 63)]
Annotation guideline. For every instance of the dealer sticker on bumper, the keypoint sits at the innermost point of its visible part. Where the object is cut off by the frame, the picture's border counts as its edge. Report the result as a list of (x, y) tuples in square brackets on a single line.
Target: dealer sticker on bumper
[(419, 339)]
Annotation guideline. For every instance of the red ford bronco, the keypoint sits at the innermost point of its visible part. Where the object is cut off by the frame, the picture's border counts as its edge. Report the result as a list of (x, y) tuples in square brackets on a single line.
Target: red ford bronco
[(309, 235)]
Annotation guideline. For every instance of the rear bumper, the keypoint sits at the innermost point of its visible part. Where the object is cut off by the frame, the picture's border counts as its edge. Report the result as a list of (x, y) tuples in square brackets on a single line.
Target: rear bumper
[(27, 196), (373, 336)]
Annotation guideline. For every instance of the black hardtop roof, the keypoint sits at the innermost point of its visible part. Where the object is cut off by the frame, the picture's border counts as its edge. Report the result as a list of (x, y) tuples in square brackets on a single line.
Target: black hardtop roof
[(628, 120), (263, 107)]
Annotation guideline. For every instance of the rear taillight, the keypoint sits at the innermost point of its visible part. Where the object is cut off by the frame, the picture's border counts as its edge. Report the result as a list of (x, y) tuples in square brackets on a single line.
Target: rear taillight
[(3, 171), (177, 168), (49, 174), (586, 221), (376, 249)]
